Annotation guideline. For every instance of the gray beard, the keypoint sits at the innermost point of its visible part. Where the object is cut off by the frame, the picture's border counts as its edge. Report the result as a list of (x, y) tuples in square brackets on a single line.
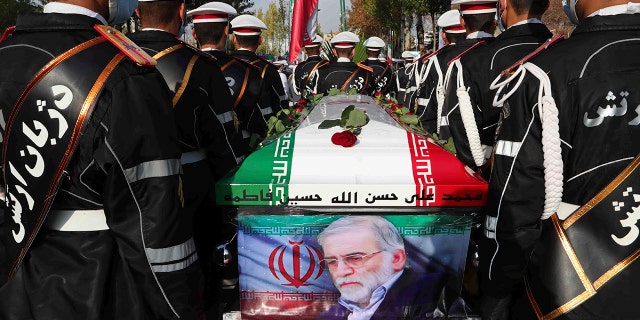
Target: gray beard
[(369, 282)]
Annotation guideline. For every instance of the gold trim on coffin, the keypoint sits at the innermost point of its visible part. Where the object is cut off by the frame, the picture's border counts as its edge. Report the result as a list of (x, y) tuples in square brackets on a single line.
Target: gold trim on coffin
[(590, 288)]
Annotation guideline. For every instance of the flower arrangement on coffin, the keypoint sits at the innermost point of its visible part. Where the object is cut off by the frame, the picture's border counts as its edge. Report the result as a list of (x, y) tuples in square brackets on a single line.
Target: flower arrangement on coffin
[(403, 115), (289, 118), (351, 120), (411, 121)]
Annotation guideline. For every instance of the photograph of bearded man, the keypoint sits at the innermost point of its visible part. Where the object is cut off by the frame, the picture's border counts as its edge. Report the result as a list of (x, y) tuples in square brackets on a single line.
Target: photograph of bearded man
[(367, 261)]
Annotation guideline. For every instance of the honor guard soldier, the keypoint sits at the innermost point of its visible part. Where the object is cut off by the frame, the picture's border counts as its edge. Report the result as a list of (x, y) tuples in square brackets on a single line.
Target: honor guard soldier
[(562, 211), (382, 72), (523, 34), (203, 108), (433, 69), (302, 80), (247, 32), (91, 163), (478, 18), (211, 32), (404, 76), (344, 74)]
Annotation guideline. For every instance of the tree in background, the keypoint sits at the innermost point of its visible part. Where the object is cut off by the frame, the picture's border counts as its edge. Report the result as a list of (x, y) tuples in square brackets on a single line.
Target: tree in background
[(557, 20), (276, 38), (10, 9)]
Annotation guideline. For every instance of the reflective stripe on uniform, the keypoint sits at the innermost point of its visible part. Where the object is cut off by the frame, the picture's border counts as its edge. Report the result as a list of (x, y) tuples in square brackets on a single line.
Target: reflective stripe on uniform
[(76, 220), (225, 117), (423, 102), (490, 224), (153, 169), (193, 156), (507, 148), (266, 111), (172, 258), (444, 121)]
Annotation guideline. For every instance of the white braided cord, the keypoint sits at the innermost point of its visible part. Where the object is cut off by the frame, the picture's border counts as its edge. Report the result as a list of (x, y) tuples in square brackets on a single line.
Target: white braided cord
[(552, 152), (440, 90), (468, 118)]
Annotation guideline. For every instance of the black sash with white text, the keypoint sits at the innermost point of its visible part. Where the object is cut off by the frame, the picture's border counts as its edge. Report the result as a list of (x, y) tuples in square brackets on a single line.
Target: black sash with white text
[(592, 246), (42, 133)]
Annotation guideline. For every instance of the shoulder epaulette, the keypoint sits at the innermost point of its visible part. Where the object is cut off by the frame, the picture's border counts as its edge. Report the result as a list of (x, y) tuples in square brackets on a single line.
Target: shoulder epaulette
[(7, 32), (322, 63), (542, 47), (481, 42), (364, 67), (125, 45)]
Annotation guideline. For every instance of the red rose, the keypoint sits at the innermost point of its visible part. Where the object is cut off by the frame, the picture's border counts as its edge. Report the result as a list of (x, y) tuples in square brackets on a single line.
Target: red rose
[(378, 94), (290, 117), (301, 103), (409, 113), (396, 107), (298, 108), (345, 138)]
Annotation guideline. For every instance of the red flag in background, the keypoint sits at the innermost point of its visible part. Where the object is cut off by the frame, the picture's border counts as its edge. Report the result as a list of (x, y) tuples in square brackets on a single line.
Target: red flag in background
[(303, 25)]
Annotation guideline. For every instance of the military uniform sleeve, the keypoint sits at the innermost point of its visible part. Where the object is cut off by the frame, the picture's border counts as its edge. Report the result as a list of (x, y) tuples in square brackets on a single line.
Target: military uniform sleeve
[(140, 156), (224, 141), (272, 80), (516, 195)]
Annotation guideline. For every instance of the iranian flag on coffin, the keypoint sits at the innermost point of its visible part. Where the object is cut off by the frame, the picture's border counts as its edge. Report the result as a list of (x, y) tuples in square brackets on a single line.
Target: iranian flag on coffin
[(387, 167), (281, 276)]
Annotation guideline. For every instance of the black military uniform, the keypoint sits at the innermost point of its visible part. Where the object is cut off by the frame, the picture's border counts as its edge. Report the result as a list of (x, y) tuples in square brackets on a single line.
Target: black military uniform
[(383, 76), (303, 74), (270, 79), (137, 262), (480, 66), (345, 76), (247, 91), (405, 83), (592, 78), (203, 109)]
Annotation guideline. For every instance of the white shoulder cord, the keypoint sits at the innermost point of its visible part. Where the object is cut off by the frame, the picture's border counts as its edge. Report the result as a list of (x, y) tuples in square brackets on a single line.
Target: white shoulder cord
[(440, 90), (315, 85), (433, 62), (293, 84), (468, 118), (548, 112)]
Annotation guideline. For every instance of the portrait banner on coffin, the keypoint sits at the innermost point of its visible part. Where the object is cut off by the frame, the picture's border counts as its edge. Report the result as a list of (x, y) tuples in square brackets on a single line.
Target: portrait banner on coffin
[(283, 275), (41, 135)]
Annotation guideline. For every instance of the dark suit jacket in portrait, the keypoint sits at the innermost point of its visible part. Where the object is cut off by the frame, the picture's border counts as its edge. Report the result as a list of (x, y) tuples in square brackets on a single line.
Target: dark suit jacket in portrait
[(412, 296)]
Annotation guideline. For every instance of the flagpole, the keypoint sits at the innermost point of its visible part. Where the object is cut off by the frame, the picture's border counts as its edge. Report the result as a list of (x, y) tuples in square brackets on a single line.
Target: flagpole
[(343, 16)]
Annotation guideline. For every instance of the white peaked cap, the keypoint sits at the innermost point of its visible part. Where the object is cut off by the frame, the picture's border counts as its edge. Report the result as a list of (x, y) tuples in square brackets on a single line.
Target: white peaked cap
[(408, 55), (316, 41), (450, 21), (280, 62), (212, 12), (247, 25), (345, 39), (374, 43), (475, 6)]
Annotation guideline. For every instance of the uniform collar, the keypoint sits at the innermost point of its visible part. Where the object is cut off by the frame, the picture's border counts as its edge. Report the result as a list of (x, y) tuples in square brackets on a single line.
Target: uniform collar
[(532, 20), (342, 59), (479, 35), (629, 8), (59, 7)]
